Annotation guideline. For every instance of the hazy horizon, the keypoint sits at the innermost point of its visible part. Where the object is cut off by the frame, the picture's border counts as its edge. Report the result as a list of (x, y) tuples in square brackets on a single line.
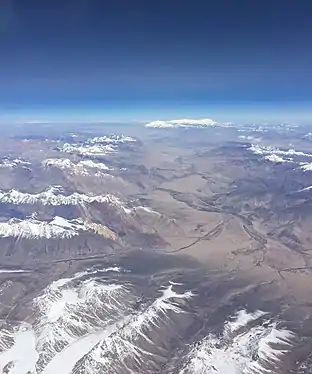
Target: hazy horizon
[(284, 113)]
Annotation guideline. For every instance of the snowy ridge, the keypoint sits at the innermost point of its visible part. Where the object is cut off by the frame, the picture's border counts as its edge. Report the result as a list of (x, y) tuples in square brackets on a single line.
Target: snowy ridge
[(57, 228), (257, 349), (204, 122), (271, 150), (70, 318), (88, 150), (131, 341), (81, 323), (67, 312), (12, 163), (80, 168), (97, 146), (93, 165), (275, 154), (113, 138), (55, 196)]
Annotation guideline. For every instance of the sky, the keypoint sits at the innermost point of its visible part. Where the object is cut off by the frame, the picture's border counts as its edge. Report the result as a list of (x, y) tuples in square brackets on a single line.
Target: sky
[(134, 60)]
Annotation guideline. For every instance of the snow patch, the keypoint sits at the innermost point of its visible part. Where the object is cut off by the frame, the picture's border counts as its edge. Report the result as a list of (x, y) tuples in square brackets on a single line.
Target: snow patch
[(242, 318), (305, 189), (21, 358), (94, 165), (306, 166), (13, 271), (147, 210), (275, 158)]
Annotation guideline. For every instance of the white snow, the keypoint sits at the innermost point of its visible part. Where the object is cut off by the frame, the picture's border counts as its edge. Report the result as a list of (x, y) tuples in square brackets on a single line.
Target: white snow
[(55, 196), (94, 165), (22, 354), (10, 164), (277, 155), (89, 150), (242, 318), (204, 122), (57, 228), (270, 151), (305, 189), (147, 210), (280, 337), (124, 343), (67, 165), (79, 168), (67, 298), (159, 308), (249, 137), (255, 350), (63, 281), (97, 146), (113, 138), (64, 361), (68, 323), (14, 271), (306, 166), (72, 316), (275, 158), (31, 228)]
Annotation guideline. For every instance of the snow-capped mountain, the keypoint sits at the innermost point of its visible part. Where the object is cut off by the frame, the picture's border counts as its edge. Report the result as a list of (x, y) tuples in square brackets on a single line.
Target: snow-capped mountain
[(56, 196), (113, 138), (204, 122), (11, 163), (289, 154), (277, 155), (88, 149), (82, 323), (97, 146), (131, 343), (70, 317), (84, 167), (249, 345), (58, 227)]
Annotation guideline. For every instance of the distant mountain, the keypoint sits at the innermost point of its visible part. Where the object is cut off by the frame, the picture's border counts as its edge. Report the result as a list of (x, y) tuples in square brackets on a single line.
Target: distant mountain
[(204, 122), (55, 195)]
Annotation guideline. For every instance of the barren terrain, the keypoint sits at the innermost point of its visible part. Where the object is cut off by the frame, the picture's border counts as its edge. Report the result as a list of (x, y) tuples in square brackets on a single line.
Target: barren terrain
[(156, 250)]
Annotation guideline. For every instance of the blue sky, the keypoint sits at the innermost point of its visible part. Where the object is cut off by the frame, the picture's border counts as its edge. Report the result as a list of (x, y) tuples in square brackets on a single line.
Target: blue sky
[(137, 60)]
